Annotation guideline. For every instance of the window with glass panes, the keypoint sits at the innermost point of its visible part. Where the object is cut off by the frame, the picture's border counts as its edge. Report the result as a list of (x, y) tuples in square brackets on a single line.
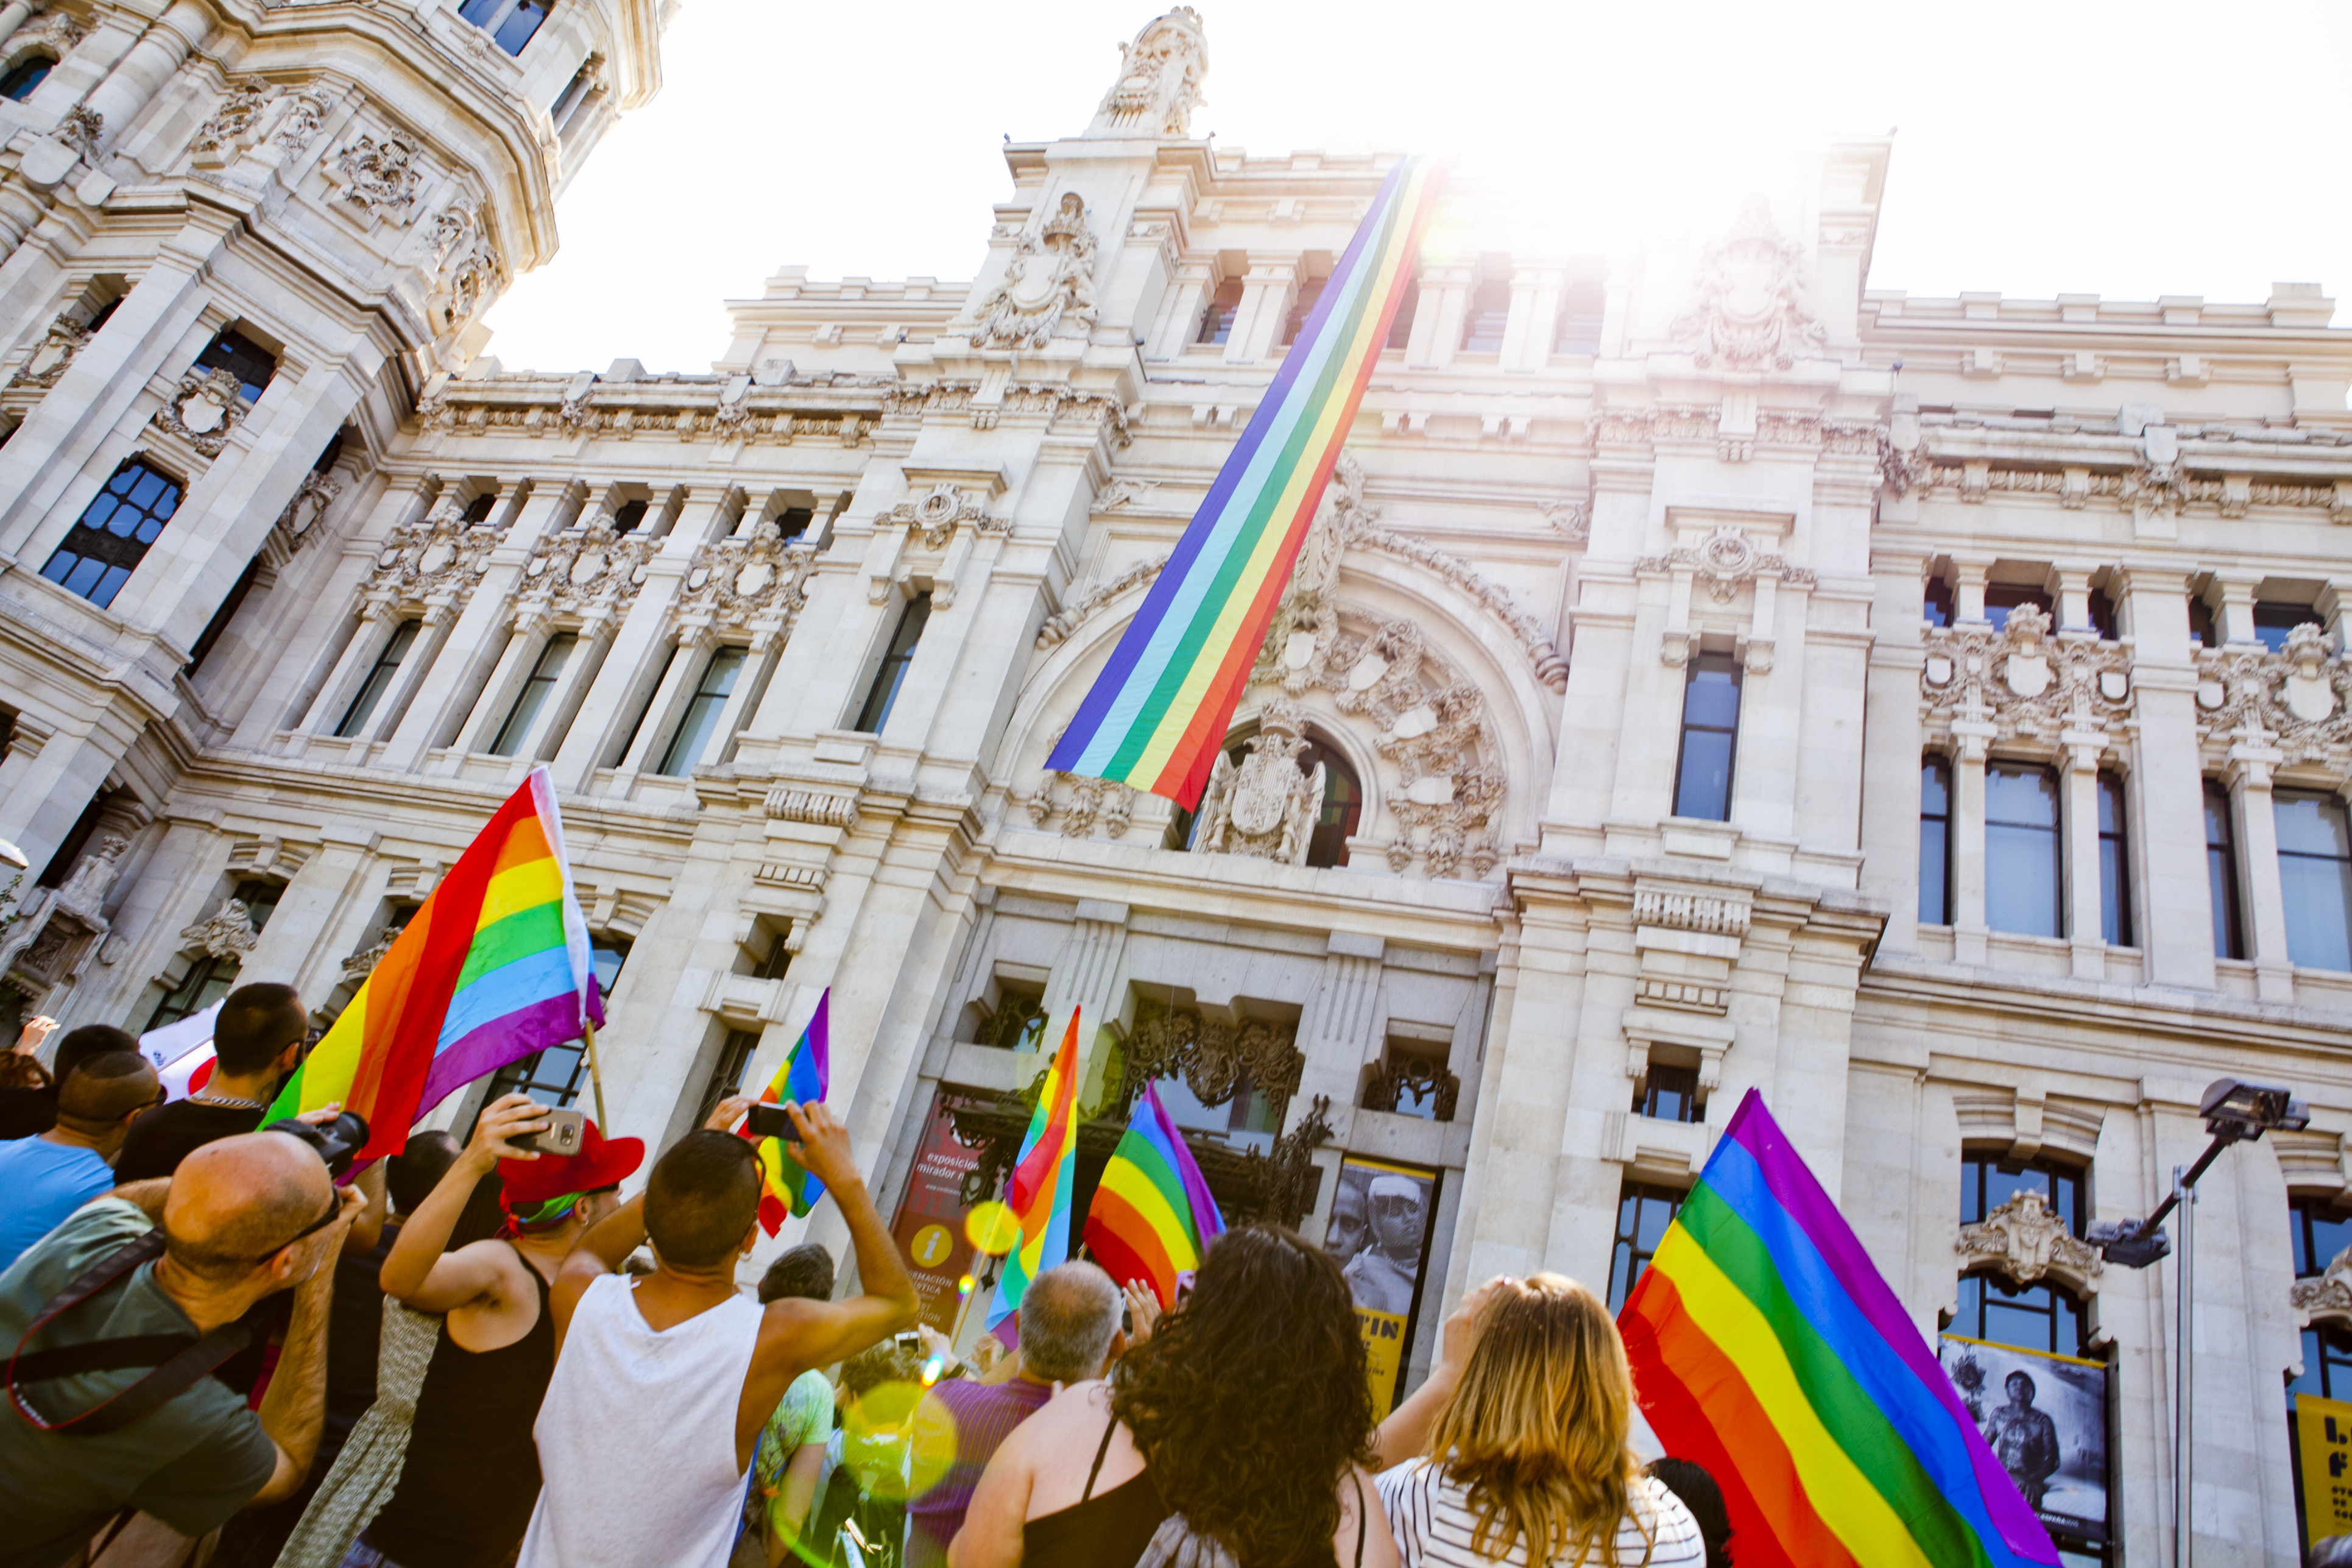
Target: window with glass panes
[(2273, 621), (1302, 305), (1935, 842), (703, 712), (883, 694), (559, 1075), (209, 979), (2114, 865), (1576, 329), (2039, 1317), (2002, 597), (252, 365), (735, 1053), (1217, 316), (1643, 1212), (1488, 314), (510, 23), (379, 679), (1710, 736), (2221, 872), (2314, 852), (1401, 324), (1937, 603), (112, 536), (2022, 850), (544, 673), (26, 75), (2319, 1231), (1670, 1094)]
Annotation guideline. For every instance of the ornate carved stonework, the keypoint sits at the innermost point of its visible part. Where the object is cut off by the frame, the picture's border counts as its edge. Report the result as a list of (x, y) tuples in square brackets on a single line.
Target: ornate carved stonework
[(1725, 562), (2328, 1297), (1748, 308), (1159, 85), (1082, 804), (362, 964), (84, 891), (2021, 681), (585, 570), (1058, 626), (938, 513), (380, 178), (55, 353), (230, 129), (1265, 807), (208, 405), (1125, 492), (2298, 700), (2023, 1239), (298, 124), (757, 578), (468, 271), (82, 129), (1417, 1078), (226, 933), (443, 554), (1049, 281), (1215, 1058), (1571, 518), (820, 808), (311, 502)]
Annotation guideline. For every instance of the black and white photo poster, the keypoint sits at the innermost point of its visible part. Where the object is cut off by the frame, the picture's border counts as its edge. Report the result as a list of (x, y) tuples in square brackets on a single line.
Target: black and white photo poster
[(2045, 1419)]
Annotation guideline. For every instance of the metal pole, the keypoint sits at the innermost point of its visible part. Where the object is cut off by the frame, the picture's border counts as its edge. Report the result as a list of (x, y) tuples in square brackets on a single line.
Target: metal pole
[(2183, 1429), (596, 1078)]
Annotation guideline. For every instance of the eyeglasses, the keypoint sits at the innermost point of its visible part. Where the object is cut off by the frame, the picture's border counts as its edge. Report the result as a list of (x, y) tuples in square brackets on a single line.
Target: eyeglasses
[(334, 1207)]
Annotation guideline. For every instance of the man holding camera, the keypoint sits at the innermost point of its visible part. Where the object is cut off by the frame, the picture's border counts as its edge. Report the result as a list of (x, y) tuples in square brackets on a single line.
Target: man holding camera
[(256, 1041), (100, 1428), (470, 1474)]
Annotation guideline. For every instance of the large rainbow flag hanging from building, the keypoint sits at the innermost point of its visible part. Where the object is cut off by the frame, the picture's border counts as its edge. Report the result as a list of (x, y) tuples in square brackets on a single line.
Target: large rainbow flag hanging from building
[(1156, 716), (1766, 1347), (1153, 1218), (786, 1187), (1042, 1179), (492, 968)]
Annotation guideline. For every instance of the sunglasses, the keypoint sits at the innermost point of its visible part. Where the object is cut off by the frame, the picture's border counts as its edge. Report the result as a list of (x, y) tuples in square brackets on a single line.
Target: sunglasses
[(334, 1207)]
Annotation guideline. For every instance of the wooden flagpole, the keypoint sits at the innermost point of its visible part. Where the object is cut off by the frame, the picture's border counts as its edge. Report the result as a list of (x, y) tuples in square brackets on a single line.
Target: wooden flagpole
[(595, 1076)]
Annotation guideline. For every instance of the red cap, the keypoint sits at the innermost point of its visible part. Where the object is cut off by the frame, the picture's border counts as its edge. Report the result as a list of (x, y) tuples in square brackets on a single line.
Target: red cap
[(602, 1162)]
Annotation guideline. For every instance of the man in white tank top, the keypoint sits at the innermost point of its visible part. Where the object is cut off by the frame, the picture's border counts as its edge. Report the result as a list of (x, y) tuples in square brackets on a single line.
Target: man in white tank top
[(661, 1385)]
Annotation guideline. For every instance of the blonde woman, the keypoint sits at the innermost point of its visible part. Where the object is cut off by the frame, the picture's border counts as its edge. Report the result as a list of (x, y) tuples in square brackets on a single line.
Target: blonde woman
[(1531, 1464)]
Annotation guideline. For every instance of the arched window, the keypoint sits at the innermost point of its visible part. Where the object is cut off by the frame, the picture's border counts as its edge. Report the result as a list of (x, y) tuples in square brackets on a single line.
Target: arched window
[(1343, 799), (26, 75)]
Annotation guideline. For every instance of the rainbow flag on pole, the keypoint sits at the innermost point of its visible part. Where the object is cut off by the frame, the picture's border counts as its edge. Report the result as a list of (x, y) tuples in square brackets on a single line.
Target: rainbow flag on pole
[(494, 967), (1766, 1347), (1043, 1178), (1153, 1218), (806, 1074), (1156, 716)]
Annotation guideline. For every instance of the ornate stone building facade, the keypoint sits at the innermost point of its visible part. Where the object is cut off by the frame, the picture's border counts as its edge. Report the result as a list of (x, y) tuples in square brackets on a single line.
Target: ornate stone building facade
[(1706, 672)]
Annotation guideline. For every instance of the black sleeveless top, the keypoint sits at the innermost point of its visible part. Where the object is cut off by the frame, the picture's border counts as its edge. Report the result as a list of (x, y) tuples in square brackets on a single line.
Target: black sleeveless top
[(1106, 1531), (471, 1476)]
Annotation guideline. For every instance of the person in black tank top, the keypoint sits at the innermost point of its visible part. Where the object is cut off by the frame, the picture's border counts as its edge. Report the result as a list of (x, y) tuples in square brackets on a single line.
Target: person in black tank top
[(1113, 1527)]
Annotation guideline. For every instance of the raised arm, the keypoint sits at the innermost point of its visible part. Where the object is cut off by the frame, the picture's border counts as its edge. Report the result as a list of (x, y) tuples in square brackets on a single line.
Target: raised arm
[(1405, 1434), (823, 1333), (419, 1272), (294, 1411)]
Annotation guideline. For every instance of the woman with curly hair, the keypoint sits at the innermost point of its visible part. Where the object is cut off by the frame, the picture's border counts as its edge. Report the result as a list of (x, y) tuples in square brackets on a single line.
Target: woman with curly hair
[(1531, 1465), (1234, 1438)]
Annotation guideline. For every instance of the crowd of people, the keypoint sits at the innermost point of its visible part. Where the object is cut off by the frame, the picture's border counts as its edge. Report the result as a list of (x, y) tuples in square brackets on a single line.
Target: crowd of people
[(222, 1349)]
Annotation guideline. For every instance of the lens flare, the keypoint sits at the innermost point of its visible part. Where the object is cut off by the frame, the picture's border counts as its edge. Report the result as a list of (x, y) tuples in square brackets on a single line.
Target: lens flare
[(895, 1442), (992, 1229)]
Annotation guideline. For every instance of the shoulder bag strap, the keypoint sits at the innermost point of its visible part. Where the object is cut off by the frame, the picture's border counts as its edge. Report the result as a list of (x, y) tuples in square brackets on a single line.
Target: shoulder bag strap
[(183, 1359)]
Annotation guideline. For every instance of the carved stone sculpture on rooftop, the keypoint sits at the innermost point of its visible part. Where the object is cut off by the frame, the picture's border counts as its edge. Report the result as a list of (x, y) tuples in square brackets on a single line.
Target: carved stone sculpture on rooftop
[(1265, 807), (1748, 310), (1049, 283), (1159, 84)]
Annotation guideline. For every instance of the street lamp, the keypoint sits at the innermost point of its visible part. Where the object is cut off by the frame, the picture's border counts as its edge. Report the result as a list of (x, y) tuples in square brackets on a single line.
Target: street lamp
[(2234, 1112)]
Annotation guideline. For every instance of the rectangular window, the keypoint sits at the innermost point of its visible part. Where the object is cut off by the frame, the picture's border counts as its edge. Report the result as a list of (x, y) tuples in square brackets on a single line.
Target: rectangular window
[(2315, 877), (2221, 872), (1936, 606), (727, 1073), (2032, 1317), (1987, 1182), (2274, 620), (379, 679), (1217, 318), (1489, 313), (702, 712), (2002, 597), (884, 693), (1401, 325), (1644, 1213), (2320, 1231), (2115, 865), (1577, 329), (252, 365), (534, 694), (2201, 625), (1670, 1094), (794, 522), (1710, 730), (1935, 842), (510, 23), (101, 549), (1302, 305), (2103, 615), (2022, 844)]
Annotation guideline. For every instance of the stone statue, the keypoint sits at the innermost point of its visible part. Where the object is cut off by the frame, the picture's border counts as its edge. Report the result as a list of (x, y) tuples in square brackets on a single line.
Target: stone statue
[(1265, 807), (1049, 281), (1159, 85)]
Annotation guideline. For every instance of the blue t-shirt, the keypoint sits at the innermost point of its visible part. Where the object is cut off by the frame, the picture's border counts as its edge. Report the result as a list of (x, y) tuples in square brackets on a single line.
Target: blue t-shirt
[(40, 1184)]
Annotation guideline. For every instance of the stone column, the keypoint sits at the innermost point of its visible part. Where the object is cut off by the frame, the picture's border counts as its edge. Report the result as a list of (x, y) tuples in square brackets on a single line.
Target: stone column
[(1187, 299), (289, 948), (379, 623), (13, 15), (1085, 977), (1338, 1036), (2079, 831), (692, 646), (2251, 770), (1437, 319), (132, 83), (1972, 738), (609, 706), (1534, 316), (2167, 784), (1968, 589), (2074, 599), (1266, 291), (525, 638)]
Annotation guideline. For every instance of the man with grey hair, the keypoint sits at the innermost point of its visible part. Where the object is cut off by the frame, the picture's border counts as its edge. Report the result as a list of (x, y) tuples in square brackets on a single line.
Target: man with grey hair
[(1070, 1331)]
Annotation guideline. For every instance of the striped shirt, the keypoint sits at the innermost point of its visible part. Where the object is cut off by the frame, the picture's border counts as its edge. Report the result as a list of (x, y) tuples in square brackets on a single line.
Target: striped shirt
[(1433, 1524)]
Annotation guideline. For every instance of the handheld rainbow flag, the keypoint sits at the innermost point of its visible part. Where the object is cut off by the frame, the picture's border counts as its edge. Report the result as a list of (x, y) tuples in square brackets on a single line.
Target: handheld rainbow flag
[(806, 1074), (1766, 1347), (1153, 1218), (1156, 716), (494, 966), (1039, 1192)]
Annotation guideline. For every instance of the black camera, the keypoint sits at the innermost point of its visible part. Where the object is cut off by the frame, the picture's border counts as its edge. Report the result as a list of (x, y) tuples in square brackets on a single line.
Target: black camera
[(338, 1142)]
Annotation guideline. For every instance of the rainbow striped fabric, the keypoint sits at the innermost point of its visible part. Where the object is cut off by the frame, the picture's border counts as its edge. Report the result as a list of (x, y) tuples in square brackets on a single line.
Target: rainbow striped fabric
[(1153, 1218), (1766, 1347), (1156, 716), (806, 1074), (1042, 1179), (494, 967)]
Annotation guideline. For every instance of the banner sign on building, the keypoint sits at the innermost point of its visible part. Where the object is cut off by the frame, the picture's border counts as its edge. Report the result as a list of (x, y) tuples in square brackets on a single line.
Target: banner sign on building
[(2323, 1430), (2045, 1419), (1379, 1233), (929, 1228)]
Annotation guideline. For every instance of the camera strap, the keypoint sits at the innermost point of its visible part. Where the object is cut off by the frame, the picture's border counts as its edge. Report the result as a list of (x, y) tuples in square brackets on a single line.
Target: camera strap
[(179, 1360)]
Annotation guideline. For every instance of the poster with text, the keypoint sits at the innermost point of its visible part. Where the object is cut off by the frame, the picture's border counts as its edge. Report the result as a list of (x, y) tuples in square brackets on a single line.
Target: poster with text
[(2323, 1431), (929, 1223), (2045, 1418), (1379, 1233)]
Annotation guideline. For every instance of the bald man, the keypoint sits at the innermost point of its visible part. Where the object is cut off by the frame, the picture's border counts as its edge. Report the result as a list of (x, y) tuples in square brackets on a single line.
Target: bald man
[(242, 1220), (45, 1178)]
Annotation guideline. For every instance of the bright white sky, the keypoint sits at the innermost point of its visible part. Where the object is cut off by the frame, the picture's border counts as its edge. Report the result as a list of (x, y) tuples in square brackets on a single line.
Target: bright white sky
[(2128, 150)]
